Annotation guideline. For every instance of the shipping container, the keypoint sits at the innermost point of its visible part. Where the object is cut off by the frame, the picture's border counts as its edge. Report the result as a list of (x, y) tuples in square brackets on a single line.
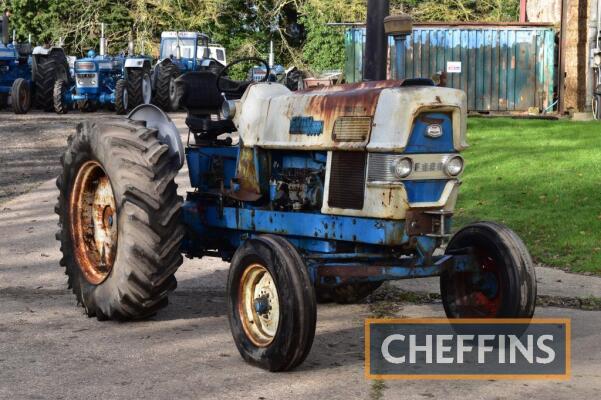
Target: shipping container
[(507, 67)]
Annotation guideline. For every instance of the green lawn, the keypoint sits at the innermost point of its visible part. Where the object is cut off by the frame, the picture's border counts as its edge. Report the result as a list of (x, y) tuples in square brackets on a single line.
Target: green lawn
[(542, 179)]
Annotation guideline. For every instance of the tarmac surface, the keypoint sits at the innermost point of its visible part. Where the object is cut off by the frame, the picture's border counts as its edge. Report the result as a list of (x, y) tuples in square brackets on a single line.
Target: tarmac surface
[(50, 350)]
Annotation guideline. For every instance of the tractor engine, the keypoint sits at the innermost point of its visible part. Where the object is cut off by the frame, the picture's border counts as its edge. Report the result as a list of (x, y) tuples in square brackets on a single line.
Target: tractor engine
[(296, 181)]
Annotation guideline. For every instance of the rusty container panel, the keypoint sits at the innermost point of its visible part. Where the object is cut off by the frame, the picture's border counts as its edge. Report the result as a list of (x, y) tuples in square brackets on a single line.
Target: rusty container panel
[(506, 67)]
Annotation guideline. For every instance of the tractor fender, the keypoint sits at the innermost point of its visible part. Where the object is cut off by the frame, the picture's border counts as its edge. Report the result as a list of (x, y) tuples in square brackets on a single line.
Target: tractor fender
[(155, 118), (44, 51), (136, 63)]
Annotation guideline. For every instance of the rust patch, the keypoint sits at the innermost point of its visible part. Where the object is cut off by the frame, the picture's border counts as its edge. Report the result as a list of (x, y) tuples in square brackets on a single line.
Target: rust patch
[(246, 178), (346, 100), (93, 222)]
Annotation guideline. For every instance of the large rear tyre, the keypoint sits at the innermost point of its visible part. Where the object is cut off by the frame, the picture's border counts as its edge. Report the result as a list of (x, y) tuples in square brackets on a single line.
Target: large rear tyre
[(165, 90), (504, 286), (60, 90), (271, 304), (139, 87), (121, 97), (21, 96), (119, 218), (47, 70), (349, 293)]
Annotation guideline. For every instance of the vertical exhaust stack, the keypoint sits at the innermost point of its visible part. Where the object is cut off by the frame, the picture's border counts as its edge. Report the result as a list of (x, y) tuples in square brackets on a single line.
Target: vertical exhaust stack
[(5, 30), (130, 44), (102, 41), (376, 42)]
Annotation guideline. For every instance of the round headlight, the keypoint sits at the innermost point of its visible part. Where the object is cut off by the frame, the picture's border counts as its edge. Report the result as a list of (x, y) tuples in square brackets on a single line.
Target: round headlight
[(228, 109), (597, 59), (454, 166), (403, 167), (93, 82)]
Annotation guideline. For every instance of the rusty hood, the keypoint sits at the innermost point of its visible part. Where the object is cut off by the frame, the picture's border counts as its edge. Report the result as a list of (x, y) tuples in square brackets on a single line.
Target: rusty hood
[(354, 116)]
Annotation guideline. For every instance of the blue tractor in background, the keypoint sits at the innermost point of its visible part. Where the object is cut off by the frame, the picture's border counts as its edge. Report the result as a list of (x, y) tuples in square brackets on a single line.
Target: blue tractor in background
[(121, 82), (98, 81), (182, 52), (27, 76), (15, 73)]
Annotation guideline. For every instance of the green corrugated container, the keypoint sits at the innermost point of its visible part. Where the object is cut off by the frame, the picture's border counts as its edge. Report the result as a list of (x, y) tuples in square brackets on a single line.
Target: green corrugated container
[(506, 67)]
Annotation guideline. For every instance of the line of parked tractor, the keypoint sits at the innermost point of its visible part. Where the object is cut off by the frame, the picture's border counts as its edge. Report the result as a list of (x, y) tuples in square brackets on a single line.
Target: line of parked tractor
[(45, 78)]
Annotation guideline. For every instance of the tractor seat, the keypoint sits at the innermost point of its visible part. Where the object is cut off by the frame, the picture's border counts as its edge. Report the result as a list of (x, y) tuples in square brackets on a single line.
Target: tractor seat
[(200, 97), (199, 93)]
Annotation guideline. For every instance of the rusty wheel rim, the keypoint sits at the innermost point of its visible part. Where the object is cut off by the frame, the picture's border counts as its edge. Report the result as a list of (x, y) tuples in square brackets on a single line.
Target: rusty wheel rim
[(93, 217), (259, 305)]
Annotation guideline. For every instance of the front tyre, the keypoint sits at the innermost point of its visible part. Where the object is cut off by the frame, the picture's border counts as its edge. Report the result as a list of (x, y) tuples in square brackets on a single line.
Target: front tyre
[(121, 97), (119, 218), (58, 98), (504, 284), (271, 304), (21, 96)]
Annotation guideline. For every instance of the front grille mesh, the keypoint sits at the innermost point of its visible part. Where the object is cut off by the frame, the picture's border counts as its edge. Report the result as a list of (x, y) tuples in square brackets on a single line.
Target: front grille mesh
[(347, 180), (351, 129), (380, 167)]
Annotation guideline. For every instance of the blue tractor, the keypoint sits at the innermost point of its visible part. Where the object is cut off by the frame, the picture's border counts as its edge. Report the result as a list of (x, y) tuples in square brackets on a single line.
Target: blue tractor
[(28, 76), (312, 196), (121, 82), (15, 73), (182, 52), (98, 81)]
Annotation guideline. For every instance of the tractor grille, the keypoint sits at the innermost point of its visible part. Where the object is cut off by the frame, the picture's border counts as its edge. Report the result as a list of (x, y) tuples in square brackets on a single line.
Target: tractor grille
[(351, 129), (347, 180), (381, 167)]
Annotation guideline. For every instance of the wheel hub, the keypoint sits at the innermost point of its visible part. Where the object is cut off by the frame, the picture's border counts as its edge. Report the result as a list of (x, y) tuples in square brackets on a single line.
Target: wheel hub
[(93, 220), (259, 305)]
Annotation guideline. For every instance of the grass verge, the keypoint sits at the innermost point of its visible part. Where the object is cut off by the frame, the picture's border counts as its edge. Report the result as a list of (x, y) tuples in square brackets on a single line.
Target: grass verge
[(542, 179)]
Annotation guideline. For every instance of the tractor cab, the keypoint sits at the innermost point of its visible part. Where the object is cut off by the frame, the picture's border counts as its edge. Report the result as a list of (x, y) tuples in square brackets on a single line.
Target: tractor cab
[(191, 51), (182, 52)]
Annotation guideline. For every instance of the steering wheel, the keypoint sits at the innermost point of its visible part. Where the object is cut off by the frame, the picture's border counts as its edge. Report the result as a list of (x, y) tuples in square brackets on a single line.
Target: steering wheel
[(239, 86)]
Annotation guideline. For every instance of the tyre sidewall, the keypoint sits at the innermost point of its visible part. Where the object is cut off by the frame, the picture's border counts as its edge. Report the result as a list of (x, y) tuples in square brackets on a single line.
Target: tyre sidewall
[(90, 147), (257, 251), (508, 269)]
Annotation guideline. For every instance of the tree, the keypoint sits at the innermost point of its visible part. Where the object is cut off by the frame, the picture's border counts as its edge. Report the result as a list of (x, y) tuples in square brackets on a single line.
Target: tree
[(298, 28)]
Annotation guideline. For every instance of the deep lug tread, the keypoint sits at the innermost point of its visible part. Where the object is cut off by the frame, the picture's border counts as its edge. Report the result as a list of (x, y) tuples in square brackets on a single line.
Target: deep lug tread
[(48, 70), (166, 71), (149, 242)]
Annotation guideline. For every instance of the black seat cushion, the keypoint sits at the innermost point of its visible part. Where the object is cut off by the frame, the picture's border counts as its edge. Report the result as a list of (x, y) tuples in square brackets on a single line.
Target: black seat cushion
[(209, 128)]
